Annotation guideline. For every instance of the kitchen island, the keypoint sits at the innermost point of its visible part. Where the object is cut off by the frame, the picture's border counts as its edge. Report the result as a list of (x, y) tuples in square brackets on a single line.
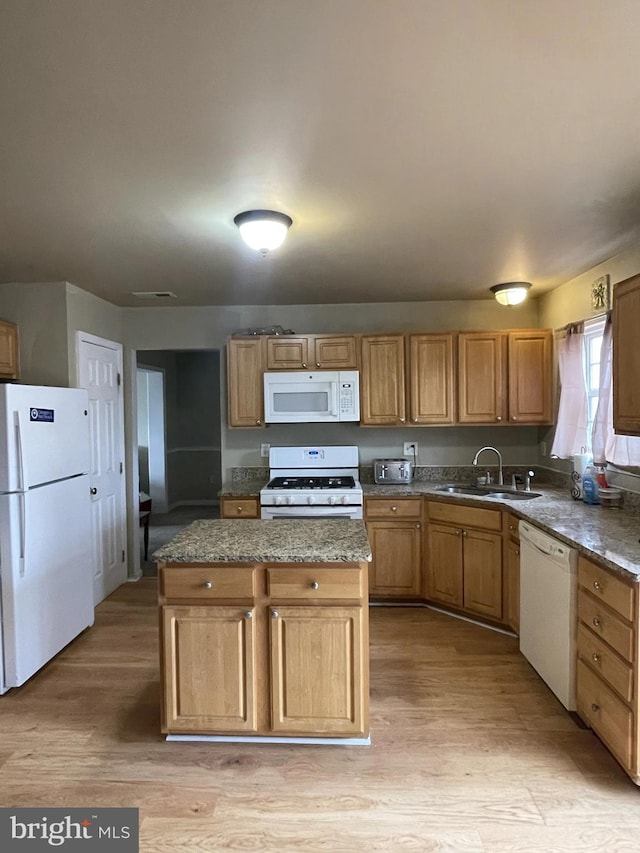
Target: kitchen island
[(264, 631)]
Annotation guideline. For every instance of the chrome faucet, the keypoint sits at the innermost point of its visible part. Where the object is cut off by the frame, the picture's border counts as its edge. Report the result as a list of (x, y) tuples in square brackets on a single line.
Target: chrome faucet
[(495, 450)]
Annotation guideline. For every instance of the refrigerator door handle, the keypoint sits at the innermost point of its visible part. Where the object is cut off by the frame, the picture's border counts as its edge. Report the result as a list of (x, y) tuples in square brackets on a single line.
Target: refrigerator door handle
[(22, 467), (22, 497)]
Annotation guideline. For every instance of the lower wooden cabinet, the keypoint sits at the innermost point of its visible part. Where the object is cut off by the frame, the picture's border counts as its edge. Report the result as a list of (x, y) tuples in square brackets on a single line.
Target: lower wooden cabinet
[(394, 528), (317, 657), (209, 669), (607, 667), (511, 574), (465, 558), (264, 649)]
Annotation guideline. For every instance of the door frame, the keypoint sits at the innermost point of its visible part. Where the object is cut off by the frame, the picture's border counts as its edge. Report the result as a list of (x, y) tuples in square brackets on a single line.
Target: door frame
[(156, 412), (117, 348)]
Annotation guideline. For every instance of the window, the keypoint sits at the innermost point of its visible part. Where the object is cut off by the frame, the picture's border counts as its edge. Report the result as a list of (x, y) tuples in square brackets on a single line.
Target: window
[(593, 332)]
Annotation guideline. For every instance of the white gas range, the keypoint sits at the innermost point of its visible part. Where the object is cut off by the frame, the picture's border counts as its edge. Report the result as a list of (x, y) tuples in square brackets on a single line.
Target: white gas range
[(312, 482)]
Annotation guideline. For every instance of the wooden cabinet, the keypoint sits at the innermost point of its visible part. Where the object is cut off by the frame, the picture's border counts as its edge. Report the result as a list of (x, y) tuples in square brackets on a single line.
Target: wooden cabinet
[(511, 575), (245, 388), (320, 352), (394, 528), (465, 558), (382, 381), (432, 382), (626, 357), (607, 668), (264, 649), (9, 358), (240, 507), (505, 377)]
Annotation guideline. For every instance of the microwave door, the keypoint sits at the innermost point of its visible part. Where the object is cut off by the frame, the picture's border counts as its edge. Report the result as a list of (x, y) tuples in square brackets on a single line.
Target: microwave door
[(300, 402)]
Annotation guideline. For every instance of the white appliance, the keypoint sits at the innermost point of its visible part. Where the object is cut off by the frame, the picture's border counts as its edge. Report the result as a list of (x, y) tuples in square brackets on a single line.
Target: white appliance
[(46, 562), (312, 482), (548, 610), (322, 397)]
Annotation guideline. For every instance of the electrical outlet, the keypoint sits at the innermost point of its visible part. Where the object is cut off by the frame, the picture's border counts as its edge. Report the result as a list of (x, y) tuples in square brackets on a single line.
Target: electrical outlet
[(264, 450), (410, 448)]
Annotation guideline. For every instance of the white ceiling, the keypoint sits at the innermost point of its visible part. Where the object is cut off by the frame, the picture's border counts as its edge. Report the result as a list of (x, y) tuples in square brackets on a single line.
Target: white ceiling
[(425, 149)]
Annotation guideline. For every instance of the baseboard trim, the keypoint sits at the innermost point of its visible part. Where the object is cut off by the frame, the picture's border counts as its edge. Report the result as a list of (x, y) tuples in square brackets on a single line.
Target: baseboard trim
[(318, 741)]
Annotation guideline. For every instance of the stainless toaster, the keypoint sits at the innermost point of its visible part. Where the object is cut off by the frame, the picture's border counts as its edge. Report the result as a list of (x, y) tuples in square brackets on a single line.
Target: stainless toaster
[(392, 471)]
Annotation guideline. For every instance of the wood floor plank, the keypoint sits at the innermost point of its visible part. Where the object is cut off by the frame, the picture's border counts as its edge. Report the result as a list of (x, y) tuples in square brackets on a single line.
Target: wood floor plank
[(471, 753)]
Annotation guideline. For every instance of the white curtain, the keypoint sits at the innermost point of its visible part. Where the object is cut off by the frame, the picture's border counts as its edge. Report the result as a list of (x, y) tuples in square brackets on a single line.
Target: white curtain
[(622, 450), (571, 431)]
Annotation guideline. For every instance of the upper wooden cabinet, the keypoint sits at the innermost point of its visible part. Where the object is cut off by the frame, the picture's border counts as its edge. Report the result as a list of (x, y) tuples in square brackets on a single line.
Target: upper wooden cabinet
[(245, 367), (505, 377), (9, 365), (626, 357), (382, 381), (431, 379), (320, 352)]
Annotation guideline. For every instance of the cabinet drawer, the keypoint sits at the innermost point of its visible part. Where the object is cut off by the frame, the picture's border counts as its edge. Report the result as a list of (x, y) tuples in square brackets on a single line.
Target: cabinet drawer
[(208, 583), (605, 713), (605, 586), (397, 508), (597, 654), (606, 624), (311, 582), (465, 516), (239, 508)]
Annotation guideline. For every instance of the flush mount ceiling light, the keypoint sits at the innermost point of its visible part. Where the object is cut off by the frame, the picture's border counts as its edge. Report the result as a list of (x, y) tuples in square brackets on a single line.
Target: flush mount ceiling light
[(263, 230), (511, 293)]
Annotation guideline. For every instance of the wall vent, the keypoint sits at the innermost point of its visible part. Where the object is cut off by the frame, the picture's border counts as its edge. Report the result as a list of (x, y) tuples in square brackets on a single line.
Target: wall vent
[(154, 294)]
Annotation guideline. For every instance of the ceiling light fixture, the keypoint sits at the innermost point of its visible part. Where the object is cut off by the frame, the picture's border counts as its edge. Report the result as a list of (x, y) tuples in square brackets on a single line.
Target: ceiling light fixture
[(511, 293), (263, 230)]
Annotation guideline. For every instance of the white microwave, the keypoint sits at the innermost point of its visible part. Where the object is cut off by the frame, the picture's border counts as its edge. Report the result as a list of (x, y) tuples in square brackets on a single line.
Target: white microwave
[(323, 397)]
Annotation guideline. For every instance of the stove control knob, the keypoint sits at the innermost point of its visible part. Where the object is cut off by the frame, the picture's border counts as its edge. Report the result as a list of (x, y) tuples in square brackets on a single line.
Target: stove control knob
[(279, 501), (333, 500), (311, 499), (343, 500), (290, 500)]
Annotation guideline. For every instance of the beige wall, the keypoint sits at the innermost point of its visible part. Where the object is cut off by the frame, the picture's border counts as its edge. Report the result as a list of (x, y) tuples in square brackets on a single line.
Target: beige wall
[(40, 310)]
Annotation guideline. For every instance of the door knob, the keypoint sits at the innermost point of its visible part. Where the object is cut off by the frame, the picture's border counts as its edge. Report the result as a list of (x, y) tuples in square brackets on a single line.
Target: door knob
[(94, 491)]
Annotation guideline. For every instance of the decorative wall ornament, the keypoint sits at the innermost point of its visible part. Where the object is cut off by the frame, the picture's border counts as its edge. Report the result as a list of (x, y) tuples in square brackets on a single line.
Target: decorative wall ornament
[(600, 295)]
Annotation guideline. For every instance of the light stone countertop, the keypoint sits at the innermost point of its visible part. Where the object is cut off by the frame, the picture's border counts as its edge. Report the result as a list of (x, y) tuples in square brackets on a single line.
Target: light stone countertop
[(609, 535), (247, 540)]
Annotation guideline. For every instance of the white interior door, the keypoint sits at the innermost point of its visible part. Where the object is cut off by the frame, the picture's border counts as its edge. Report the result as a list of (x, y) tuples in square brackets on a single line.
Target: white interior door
[(99, 371)]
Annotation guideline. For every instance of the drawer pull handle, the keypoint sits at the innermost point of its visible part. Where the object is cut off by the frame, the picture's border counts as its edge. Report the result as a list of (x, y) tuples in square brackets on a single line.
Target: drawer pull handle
[(239, 509), (274, 614), (596, 657), (596, 622), (597, 586), (249, 614), (595, 707), (207, 584), (314, 584)]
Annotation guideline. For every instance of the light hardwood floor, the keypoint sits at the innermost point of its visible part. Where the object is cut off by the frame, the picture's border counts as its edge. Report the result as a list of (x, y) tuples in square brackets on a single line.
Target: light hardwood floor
[(471, 752)]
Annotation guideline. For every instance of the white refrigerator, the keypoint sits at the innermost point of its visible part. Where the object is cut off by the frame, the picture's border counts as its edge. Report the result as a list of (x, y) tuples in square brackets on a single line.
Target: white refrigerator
[(46, 558)]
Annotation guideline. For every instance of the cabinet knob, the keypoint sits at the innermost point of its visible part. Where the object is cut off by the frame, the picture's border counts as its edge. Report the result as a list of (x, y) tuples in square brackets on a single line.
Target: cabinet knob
[(249, 614), (402, 420), (274, 614), (458, 532), (304, 363), (517, 552), (596, 621), (464, 532), (317, 364), (207, 584), (394, 509), (314, 584), (595, 707), (597, 586), (258, 421), (596, 657), (513, 418), (498, 417), (239, 509), (415, 420), (417, 527)]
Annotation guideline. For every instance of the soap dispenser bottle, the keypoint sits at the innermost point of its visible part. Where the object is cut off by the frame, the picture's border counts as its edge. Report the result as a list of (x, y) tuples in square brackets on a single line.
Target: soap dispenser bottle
[(590, 485)]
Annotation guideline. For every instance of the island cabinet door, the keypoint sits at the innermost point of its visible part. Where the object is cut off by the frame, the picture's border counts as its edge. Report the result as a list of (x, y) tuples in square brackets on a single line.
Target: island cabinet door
[(445, 572), (209, 669), (319, 671)]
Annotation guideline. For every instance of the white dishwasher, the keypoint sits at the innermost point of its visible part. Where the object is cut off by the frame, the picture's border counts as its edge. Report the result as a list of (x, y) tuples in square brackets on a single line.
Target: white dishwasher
[(548, 610)]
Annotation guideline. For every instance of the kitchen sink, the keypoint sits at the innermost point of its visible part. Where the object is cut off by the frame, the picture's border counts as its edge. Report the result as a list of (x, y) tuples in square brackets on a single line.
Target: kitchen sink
[(486, 492)]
